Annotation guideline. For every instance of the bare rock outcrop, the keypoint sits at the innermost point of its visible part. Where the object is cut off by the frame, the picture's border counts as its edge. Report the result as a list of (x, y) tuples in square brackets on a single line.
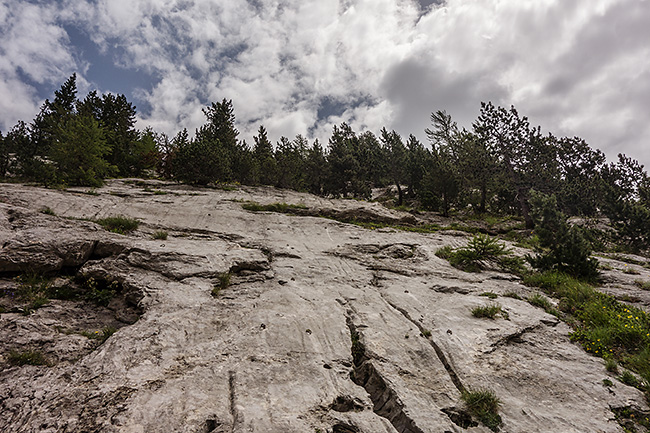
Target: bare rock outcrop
[(268, 322)]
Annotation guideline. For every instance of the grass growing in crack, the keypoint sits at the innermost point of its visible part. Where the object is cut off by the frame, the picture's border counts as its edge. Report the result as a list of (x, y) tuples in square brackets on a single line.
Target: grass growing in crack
[(629, 379), (488, 311), (47, 211), (643, 285), (160, 235), (490, 295), (541, 301), (28, 357), (484, 405), (273, 207), (480, 252), (426, 333), (118, 224), (32, 289), (512, 295), (223, 283), (100, 292), (100, 336), (358, 349), (611, 365)]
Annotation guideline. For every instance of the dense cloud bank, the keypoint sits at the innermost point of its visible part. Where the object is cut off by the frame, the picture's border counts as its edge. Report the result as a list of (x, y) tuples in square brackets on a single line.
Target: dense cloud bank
[(578, 68)]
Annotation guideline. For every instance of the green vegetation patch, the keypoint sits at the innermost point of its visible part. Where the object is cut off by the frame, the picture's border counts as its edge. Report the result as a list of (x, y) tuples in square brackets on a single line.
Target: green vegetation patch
[(644, 285), (602, 325), (27, 357), (100, 336), (160, 235), (118, 224), (272, 207), (480, 252), (484, 405), (223, 283), (489, 311)]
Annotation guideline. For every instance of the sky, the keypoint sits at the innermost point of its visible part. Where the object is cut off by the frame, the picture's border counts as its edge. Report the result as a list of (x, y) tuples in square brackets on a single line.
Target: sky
[(576, 67)]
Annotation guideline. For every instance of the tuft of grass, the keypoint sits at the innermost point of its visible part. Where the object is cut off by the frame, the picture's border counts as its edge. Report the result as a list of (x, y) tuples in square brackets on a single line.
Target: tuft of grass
[(488, 311), (608, 383), (426, 333), (28, 357), (100, 336), (490, 295), (512, 295), (644, 285), (611, 365), (47, 211), (223, 283), (541, 301), (159, 192), (630, 271), (118, 224), (629, 379), (161, 235), (484, 405)]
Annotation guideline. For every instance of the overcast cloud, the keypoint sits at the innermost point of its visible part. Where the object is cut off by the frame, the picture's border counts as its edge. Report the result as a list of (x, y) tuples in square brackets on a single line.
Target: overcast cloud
[(575, 68)]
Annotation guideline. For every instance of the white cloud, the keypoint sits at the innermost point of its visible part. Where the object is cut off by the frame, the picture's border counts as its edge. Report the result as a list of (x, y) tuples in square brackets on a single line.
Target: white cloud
[(576, 68)]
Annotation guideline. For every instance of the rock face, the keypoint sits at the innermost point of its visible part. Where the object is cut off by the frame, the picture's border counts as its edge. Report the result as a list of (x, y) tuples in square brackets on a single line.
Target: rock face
[(318, 326)]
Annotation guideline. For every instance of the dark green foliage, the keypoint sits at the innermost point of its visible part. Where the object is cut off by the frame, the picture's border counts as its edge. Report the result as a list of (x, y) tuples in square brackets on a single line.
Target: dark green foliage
[(212, 154), (480, 252), (78, 152), (28, 357), (395, 157), (526, 158), (272, 207), (118, 224), (265, 167), (484, 405), (627, 201), (561, 247)]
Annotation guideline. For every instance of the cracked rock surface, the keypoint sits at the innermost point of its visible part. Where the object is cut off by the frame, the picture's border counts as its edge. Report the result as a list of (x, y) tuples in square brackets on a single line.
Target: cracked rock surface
[(323, 327)]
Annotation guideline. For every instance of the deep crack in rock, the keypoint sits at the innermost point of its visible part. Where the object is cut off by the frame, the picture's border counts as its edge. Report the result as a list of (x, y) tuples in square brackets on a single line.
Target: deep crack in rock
[(386, 402)]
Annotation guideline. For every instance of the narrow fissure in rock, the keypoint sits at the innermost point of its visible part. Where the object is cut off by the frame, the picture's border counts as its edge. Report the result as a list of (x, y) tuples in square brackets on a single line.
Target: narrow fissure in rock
[(386, 402), (441, 355)]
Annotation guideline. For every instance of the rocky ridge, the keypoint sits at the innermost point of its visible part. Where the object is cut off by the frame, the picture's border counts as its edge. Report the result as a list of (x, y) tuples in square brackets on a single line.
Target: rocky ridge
[(323, 327)]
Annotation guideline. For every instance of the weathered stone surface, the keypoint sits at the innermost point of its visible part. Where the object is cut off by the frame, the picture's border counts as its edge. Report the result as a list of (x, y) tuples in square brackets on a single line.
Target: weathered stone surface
[(273, 352)]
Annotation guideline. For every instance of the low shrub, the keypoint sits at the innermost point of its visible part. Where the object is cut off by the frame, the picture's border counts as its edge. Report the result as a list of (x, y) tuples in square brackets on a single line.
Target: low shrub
[(484, 405), (480, 252), (119, 224)]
